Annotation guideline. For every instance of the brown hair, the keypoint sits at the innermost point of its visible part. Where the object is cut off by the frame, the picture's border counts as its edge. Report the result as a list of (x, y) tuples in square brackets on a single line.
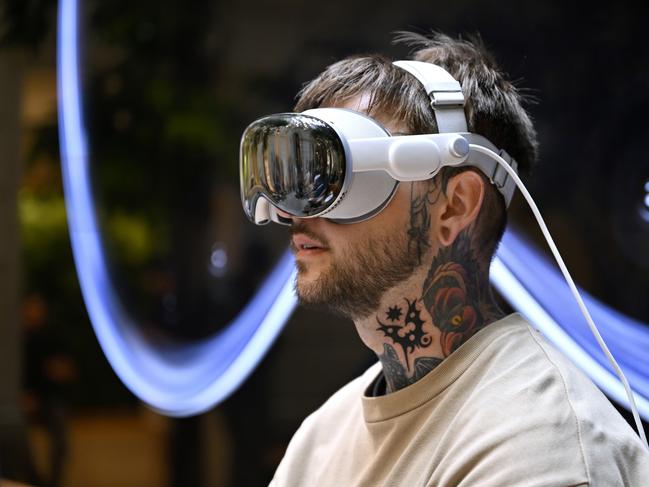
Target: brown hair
[(493, 108)]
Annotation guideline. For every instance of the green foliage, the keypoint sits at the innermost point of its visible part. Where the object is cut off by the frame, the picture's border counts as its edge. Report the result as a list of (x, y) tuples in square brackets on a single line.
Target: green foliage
[(43, 226), (133, 237)]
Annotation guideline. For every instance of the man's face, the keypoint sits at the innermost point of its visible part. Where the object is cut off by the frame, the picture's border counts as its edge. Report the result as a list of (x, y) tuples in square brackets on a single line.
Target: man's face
[(349, 266)]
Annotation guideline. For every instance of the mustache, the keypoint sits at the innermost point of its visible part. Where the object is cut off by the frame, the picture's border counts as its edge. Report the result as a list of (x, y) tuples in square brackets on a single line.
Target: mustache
[(300, 227)]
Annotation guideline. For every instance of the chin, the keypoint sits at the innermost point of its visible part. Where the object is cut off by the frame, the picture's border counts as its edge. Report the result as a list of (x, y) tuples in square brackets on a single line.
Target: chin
[(308, 286), (305, 286), (308, 272)]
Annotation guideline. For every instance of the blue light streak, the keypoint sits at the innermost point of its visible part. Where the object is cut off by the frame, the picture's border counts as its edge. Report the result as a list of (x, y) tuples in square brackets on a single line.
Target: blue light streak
[(175, 380), (184, 380)]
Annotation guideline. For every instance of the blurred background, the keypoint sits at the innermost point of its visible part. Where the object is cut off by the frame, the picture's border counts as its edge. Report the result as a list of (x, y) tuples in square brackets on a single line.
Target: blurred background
[(168, 88)]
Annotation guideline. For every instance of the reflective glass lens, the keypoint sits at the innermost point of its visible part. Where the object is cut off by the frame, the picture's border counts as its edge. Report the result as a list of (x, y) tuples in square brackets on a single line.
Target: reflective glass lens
[(296, 161)]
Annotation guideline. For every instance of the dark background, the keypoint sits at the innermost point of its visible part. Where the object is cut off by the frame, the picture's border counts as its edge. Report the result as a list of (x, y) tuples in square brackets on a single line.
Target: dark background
[(169, 86)]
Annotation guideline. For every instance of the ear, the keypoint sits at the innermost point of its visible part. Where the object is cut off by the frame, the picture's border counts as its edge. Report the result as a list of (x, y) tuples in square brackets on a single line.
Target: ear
[(464, 195)]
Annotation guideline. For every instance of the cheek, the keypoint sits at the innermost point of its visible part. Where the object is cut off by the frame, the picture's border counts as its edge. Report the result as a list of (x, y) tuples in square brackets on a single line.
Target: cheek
[(394, 218), (347, 238), (401, 199), (347, 241)]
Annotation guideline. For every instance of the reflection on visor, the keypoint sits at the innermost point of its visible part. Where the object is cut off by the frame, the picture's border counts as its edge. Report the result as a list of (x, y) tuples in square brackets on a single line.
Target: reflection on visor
[(296, 161)]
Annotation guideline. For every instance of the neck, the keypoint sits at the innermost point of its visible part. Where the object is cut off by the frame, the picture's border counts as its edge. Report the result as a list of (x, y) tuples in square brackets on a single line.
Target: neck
[(426, 318)]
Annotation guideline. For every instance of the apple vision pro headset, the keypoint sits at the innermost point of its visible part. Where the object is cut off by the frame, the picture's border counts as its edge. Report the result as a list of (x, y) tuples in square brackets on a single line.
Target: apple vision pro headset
[(344, 166)]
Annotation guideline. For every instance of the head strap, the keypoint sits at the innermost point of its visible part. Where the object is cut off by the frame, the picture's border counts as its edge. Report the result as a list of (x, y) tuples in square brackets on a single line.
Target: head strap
[(445, 94)]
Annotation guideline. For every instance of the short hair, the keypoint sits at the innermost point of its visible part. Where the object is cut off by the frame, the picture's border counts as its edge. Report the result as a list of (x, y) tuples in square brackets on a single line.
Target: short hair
[(493, 107)]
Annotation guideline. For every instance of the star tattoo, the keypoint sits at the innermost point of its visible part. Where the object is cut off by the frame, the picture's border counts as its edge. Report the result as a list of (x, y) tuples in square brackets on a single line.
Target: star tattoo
[(394, 313), (411, 334)]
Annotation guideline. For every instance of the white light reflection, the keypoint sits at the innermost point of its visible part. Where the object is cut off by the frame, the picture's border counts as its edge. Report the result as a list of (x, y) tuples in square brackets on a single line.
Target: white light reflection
[(218, 265)]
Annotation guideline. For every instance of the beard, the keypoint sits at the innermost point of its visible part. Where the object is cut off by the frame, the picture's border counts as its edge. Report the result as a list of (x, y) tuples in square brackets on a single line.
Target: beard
[(358, 277)]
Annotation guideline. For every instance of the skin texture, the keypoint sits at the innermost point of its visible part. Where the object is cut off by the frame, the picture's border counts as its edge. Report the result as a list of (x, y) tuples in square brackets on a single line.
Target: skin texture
[(409, 277)]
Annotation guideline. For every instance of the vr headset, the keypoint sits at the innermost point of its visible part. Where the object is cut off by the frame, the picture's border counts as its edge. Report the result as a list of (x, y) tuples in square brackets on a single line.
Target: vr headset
[(344, 166)]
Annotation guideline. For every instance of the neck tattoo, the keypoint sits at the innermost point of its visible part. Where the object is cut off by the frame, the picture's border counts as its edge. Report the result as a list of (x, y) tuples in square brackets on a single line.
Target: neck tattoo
[(456, 299)]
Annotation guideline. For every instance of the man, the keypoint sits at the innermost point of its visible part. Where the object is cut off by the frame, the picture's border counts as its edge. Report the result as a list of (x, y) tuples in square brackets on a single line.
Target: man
[(462, 395)]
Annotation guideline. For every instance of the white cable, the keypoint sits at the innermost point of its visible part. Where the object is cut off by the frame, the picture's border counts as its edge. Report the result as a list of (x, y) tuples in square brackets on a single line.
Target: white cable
[(573, 287)]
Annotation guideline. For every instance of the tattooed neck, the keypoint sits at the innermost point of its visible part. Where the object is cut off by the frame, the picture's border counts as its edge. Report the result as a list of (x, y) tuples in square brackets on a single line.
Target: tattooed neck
[(418, 332)]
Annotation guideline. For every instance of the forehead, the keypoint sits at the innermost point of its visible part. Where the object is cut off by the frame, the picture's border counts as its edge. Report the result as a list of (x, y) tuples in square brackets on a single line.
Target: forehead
[(361, 103)]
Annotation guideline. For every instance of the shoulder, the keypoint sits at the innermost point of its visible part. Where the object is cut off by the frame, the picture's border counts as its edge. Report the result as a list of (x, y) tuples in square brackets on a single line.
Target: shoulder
[(543, 410)]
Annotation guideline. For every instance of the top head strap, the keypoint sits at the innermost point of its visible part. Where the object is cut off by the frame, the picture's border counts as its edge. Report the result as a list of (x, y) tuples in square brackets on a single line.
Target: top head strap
[(445, 94), (447, 101)]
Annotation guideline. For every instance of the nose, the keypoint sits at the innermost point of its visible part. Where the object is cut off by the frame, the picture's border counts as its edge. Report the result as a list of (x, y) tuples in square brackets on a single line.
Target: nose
[(283, 214), (285, 218)]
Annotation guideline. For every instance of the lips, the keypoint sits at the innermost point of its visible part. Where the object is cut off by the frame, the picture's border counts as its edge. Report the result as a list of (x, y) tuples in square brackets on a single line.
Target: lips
[(303, 244)]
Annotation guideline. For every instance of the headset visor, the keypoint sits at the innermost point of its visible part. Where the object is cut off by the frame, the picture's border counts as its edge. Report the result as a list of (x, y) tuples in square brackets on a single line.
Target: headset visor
[(295, 161)]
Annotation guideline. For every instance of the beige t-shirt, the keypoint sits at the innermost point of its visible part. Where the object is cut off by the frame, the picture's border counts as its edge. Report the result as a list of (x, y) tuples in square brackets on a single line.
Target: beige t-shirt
[(505, 409)]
